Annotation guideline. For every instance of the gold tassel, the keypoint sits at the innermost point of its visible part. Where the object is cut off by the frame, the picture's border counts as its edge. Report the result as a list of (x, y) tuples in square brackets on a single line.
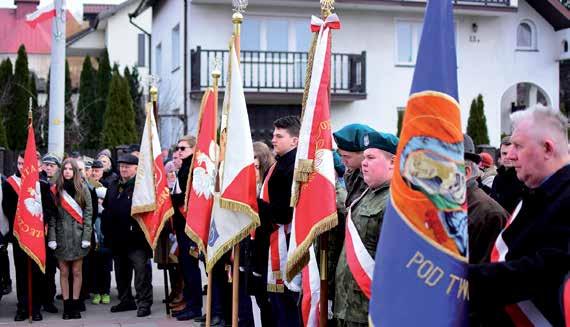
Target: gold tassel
[(300, 257)]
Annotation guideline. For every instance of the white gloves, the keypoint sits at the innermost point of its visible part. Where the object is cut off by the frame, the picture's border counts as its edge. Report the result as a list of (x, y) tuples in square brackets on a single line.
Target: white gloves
[(85, 244), (52, 245)]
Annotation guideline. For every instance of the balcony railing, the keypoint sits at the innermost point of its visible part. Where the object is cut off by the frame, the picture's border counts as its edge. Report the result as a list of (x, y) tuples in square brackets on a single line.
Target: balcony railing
[(484, 2), (279, 71)]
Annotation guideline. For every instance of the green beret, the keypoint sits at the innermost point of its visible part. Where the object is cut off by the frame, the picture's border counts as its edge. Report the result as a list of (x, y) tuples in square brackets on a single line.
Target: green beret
[(350, 137), (383, 141)]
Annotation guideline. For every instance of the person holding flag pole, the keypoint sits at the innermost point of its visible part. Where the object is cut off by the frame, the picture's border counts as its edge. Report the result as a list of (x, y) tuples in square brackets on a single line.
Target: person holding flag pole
[(152, 206), (28, 204), (235, 211)]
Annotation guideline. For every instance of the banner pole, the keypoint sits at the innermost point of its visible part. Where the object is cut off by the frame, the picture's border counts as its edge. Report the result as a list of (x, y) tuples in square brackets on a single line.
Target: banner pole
[(237, 19), (30, 290)]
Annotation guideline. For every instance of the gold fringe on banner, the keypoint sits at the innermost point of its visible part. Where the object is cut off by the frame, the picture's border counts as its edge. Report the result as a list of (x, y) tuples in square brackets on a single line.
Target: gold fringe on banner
[(303, 170), (164, 218), (143, 209), (276, 288), (243, 233), (30, 253), (195, 238), (300, 257), (309, 72)]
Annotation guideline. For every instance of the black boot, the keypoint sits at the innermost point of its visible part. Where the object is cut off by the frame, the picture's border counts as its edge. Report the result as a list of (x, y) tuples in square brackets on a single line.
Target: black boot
[(66, 310), (75, 313)]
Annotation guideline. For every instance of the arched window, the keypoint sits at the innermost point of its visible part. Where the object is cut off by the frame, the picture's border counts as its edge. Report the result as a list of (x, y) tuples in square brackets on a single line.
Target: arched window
[(526, 35)]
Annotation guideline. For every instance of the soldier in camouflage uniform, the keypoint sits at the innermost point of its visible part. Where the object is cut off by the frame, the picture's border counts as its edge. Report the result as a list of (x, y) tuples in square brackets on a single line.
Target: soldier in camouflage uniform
[(350, 147), (367, 213)]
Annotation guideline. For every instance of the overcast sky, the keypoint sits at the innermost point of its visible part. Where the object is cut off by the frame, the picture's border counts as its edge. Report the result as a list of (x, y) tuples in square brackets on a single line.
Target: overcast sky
[(10, 3)]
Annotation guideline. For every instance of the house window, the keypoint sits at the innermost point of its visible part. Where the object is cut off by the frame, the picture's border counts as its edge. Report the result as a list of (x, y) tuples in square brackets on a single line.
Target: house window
[(408, 36), (158, 59), (276, 34), (141, 48), (401, 111), (565, 46), (526, 35), (175, 47)]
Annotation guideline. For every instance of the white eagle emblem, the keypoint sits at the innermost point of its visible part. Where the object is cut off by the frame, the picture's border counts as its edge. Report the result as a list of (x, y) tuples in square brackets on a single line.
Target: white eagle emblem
[(204, 174), (34, 203)]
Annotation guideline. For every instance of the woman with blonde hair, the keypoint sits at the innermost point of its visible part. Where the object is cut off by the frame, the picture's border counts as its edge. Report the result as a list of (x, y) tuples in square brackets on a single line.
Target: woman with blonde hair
[(70, 232)]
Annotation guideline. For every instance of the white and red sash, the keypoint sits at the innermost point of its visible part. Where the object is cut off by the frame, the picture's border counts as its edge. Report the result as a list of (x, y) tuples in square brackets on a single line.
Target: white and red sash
[(69, 204), (524, 313), (277, 259), (15, 182), (360, 262)]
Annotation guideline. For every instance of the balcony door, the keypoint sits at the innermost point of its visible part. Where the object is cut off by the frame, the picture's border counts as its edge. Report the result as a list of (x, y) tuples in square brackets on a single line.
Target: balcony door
[(274, 52), (261, 118)]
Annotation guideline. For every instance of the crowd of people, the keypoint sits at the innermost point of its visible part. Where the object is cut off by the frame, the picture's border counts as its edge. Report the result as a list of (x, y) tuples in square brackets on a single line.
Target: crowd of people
[(519, 231)]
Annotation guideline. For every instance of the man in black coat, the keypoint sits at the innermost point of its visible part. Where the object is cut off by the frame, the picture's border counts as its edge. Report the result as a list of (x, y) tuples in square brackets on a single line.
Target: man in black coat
[(127, 241), (531, 256), (507, 190), (11, 189), (278, 212)]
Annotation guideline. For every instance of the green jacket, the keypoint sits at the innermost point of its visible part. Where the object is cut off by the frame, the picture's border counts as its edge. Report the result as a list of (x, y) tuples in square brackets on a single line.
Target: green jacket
[(355, 186), (68, 233), (367, 214)]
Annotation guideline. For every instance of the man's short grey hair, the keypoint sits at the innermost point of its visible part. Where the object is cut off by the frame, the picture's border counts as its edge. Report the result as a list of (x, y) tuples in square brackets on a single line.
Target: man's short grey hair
[(475, 171), (548, 120)]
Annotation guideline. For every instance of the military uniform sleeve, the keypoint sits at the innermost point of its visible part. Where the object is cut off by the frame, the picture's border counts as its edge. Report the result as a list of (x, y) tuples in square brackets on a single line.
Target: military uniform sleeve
[(87, 215)]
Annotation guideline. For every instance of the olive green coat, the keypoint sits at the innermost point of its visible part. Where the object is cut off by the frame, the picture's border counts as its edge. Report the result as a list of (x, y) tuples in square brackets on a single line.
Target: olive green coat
[(68, 233), (350, 303)]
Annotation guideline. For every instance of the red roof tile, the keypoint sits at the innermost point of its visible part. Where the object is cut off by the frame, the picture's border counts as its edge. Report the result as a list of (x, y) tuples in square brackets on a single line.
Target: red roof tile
[(15, 31)]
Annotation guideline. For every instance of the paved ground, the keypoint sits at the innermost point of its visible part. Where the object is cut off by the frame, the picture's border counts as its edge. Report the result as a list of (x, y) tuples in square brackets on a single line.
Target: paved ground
[(99, 315)]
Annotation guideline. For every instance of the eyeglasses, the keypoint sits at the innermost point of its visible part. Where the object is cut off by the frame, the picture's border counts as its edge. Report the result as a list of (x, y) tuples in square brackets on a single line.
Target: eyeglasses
[(181, 148)]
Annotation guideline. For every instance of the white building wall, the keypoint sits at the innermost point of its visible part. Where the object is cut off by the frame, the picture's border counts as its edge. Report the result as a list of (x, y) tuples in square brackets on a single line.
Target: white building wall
[(122, 37), (488, 62), (170, 86)]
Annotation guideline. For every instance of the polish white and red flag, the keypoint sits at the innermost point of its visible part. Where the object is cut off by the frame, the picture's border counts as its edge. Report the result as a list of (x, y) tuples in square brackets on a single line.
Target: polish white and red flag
[(314, 180), (46, 10), (235, 212), (151, 204)]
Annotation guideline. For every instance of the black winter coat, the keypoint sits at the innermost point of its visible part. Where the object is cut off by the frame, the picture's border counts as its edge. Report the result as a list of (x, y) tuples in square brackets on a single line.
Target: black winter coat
[(179, 221), (538, 258), (507, 190), (122, 232)]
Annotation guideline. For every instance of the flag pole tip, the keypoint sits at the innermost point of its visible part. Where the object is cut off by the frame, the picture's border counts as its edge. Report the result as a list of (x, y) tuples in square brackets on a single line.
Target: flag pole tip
[(154, 93)]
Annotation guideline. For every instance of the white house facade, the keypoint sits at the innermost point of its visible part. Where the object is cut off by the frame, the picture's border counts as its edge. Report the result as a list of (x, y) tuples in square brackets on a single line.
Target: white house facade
[(507, 51)]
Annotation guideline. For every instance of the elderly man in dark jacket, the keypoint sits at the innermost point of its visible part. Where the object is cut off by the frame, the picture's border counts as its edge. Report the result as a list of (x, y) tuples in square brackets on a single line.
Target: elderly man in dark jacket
[(531, 256), (486, 217), (507, 190), (127, 241)]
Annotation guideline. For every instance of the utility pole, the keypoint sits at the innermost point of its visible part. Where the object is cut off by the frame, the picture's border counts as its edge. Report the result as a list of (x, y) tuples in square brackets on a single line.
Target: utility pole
[(57, 83)]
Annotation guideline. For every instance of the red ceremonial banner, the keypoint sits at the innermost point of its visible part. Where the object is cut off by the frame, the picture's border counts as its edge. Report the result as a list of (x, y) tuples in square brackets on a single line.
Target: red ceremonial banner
[(29, 227)]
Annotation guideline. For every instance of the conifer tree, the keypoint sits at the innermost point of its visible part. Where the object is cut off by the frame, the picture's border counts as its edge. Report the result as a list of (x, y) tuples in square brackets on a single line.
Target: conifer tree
[(37, 114), (119, 121), (477, 123), (17, 116), (133, 79), (103, 81), (6, 77), (72, 133), (87, 105)]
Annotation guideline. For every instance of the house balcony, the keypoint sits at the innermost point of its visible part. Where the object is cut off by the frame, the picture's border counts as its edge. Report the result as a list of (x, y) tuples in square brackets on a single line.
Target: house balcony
[(279, 76)]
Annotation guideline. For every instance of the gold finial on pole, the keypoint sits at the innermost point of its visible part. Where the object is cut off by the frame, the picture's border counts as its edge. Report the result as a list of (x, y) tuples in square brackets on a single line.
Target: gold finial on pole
[(153, 94), (237, 17), (327, 6), (216, 73)]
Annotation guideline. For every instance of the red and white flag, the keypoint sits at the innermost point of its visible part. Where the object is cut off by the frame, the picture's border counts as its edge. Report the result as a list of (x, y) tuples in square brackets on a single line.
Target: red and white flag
[(29, 227), (46, 10), (235, 211), (314, 180), (151, 205), (311, 280), (202, 183)]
